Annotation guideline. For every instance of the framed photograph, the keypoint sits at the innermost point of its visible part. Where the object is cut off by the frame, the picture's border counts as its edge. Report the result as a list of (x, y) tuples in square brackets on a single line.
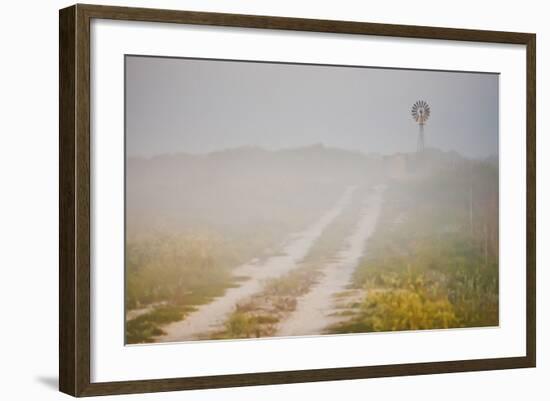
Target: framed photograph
[(250, 200)]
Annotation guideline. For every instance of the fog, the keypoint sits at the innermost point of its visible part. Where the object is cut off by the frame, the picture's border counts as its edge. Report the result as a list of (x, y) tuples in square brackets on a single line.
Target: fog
[(279, 200), (199, 106)]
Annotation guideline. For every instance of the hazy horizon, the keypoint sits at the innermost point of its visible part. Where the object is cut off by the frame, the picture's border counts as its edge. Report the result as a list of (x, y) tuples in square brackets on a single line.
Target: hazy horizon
[(197, 106), (307, 146)]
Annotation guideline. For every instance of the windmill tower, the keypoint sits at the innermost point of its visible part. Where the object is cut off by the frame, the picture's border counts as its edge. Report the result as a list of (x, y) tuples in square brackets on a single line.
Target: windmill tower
[(420, 113)]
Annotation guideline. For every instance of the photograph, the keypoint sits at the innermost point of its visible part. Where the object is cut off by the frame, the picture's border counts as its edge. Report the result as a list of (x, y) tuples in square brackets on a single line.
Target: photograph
[(275, 199)]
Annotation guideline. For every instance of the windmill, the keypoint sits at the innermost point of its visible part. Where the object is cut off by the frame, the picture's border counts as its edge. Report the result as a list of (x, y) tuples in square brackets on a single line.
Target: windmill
[(420, 112)]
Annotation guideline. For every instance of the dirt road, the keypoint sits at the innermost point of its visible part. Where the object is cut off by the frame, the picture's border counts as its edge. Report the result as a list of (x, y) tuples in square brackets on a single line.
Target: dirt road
[(314, 311), (211, 316)]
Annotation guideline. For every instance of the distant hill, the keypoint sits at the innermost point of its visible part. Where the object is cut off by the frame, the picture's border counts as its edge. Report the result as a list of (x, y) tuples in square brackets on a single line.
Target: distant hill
[(315, 161), (251, 185), (240, 186)]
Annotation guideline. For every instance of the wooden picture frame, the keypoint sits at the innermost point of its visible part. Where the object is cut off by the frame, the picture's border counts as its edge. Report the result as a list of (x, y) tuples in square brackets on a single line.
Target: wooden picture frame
[(74, 199)]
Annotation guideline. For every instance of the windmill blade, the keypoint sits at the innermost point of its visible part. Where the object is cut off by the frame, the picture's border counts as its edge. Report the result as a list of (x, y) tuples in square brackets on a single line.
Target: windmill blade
[(420, 111)]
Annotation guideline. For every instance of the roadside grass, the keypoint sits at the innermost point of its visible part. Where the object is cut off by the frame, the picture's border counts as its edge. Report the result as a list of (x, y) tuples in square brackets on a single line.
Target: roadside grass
[(145, 327), (180, 272), (432, 262)]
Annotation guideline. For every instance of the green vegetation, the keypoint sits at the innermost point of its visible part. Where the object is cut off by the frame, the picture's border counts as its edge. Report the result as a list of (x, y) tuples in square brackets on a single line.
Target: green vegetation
[(183, 269), (433, 260), (180, 271), (246, 325), (144, 327)]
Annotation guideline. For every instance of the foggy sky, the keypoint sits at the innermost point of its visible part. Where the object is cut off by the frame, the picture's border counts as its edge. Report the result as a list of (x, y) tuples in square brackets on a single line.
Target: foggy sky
[(198, 106)]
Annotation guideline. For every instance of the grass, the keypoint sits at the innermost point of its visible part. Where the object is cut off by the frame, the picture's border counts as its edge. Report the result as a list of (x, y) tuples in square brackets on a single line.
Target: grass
[(179, 271), (413, 305), (145, 327), (246, 325), (430, 265), (258, 316)]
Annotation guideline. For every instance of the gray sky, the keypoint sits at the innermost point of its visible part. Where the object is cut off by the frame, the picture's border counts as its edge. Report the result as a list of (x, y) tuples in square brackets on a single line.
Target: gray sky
[(199, 106)]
